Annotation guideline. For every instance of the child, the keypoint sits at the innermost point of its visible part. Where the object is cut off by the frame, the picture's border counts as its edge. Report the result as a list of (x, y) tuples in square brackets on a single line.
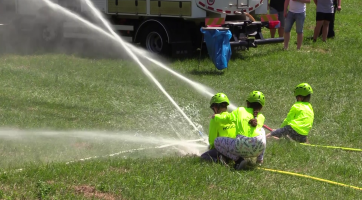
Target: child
[(218, 104), (323, 17), (250, 140), (337, 7), (300, 118), (295, 14)]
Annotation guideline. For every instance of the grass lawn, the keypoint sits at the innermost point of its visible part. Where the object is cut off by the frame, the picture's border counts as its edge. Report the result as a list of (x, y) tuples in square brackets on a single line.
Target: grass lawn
[(57, 108)]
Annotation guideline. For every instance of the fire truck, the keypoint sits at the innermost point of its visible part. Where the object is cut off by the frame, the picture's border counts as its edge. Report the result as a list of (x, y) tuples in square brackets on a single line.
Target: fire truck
[(160, 26)]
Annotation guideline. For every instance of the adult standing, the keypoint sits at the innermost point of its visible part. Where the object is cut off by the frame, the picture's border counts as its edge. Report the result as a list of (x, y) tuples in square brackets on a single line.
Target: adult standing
[(277, 7), (297, 14)]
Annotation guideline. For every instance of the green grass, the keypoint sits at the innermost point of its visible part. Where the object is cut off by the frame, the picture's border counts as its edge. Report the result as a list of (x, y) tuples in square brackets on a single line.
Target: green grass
[(63, 94)]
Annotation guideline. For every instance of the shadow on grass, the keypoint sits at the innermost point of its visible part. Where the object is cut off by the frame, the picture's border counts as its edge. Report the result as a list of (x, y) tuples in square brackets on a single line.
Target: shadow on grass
[(212, 72), (203, 54), (276, 48)]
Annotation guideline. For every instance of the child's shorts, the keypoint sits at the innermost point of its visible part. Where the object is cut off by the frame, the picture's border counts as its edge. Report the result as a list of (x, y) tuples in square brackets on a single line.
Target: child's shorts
[(289, 131)]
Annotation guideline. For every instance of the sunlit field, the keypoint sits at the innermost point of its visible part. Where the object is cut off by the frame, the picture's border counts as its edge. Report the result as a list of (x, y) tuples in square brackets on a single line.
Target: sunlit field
[(77, 126)]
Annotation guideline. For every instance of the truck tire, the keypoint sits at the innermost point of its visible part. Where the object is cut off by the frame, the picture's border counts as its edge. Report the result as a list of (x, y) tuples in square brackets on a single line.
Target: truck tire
[(155, 40), (48, 27), (49, 34)]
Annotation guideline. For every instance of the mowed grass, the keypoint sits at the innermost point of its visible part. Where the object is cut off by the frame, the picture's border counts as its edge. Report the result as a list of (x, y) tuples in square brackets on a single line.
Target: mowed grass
[(67, 93)]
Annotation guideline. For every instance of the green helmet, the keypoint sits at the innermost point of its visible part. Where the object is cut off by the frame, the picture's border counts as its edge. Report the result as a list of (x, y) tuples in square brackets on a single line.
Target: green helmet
[(256, 96), (303, 89), (219, 98)]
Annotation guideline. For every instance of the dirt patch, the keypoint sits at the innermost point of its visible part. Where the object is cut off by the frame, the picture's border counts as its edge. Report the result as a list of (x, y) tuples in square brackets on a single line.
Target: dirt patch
[(91, 192), (322, 50), (212, 186), (4, 188)]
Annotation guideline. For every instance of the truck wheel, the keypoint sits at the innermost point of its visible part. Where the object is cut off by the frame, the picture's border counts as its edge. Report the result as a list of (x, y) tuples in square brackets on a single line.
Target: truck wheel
[(49, 34), (155, 40)]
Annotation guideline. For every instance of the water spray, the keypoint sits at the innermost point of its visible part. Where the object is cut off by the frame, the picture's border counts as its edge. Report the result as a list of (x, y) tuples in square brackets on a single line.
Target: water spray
[(198, 86), (139, 149), (202, 89), (148, 73), (118, 39), (131, 151)]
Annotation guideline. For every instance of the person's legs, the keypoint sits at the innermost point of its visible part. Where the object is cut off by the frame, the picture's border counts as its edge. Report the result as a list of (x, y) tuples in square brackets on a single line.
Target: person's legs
[(210, 155), (282, 24), (286, 39), (250, 147), (296, 136), (272, 30), (299, 40), (317, 29), (299, 21), (319, 17), (288, 132), (325, 30), (289, 21), (226, 146), (281, 32), (280, 132), (331, 28), (331, 23)]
